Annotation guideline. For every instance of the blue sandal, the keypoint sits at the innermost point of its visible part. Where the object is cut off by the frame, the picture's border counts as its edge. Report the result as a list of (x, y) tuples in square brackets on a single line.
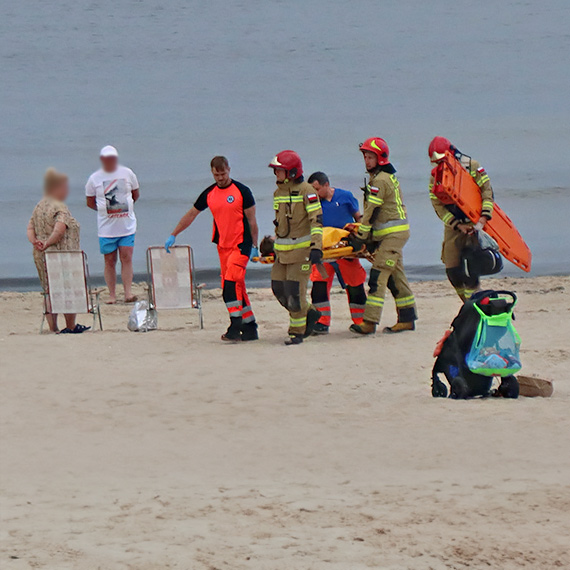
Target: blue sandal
[(77, 330)]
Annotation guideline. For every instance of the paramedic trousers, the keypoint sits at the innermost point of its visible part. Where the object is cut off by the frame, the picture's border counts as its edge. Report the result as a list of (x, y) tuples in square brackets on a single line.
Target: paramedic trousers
[(388, 272), (454, 242), (233, 265), (353, 277), (289, 285)]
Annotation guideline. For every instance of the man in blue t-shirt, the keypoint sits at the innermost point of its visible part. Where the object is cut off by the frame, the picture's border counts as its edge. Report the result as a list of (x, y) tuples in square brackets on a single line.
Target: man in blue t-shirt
[(340, 208)]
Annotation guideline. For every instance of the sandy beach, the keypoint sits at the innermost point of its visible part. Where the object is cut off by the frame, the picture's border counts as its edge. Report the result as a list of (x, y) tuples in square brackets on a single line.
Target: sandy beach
[(168, 449)]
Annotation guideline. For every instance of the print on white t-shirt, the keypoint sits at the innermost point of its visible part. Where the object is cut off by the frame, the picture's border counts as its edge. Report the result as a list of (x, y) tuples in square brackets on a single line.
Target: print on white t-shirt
[(113, 192), (116, 198)]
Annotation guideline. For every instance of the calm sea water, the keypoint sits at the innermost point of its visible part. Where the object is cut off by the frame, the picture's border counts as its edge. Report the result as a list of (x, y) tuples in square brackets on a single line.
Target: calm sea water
[(173, 83)]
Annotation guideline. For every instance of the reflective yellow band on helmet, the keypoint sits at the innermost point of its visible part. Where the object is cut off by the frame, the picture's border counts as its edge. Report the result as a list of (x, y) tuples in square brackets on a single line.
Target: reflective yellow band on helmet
[(405, 301), (375, 301)]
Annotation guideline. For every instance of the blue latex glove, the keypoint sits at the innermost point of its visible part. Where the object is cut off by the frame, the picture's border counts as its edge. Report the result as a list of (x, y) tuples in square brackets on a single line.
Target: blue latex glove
[(169, 243), (254, 253)]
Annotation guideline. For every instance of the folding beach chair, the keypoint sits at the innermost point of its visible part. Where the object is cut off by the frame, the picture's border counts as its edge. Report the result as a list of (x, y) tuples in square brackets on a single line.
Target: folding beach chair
[(69, 290), (171, 279)]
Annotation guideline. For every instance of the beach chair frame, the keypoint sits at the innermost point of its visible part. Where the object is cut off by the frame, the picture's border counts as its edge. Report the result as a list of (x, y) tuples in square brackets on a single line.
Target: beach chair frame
[(195, 300), (92, 296)]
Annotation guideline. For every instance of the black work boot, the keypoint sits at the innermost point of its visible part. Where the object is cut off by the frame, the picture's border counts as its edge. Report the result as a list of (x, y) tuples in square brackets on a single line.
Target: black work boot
[(313, 317), (294, 339), (233, 334), (249, 331), (319, 329)]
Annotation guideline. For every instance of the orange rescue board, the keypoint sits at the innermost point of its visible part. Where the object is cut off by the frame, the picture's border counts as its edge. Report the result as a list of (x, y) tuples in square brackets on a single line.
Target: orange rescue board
[(455, 182)]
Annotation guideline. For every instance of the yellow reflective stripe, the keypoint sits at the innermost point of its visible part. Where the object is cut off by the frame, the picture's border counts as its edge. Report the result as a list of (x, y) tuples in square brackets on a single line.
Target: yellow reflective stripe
[(405, 301), (364, 229), (448, 217), (290, 247), (300, 322), (488, 205), (433, 196), (292, 198), (313, 207), (430, 185), (399, 203), (287, 199), (392, 230), (316, 230), (375, 301), (482, 181), (375, 200)]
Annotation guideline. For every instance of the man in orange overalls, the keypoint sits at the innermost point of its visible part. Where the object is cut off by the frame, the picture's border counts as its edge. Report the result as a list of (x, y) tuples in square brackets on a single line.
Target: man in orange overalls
[(235, 233)]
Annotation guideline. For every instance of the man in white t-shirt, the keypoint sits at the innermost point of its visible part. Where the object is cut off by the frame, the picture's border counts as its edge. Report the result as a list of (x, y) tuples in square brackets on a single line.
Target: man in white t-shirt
[(112, 192)]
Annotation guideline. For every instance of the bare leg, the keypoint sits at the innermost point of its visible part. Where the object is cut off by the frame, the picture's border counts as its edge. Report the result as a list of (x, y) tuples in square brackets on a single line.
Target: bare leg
[(70, 320), (111, 275), (52, 322), (126, 256)]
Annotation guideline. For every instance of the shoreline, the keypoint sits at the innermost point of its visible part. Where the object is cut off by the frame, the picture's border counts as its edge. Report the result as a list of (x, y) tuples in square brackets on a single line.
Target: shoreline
[(258, 277)]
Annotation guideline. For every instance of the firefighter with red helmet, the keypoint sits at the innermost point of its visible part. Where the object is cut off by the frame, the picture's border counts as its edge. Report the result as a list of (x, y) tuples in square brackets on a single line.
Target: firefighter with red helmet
[(459, 233), (298, 243), (385, 229)]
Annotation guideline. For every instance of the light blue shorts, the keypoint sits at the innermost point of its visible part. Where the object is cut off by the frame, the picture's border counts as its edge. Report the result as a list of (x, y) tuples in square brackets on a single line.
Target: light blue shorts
[(109, 245)]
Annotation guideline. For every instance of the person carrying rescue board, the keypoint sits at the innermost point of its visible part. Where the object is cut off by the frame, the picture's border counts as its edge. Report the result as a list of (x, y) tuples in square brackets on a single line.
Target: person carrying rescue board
[(459, 232), (298, 243), (235, 233), (384, 228), (340, 209)]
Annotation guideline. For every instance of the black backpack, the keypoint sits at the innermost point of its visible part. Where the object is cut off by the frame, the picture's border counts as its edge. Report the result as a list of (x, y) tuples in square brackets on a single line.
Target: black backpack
[(452, 350)]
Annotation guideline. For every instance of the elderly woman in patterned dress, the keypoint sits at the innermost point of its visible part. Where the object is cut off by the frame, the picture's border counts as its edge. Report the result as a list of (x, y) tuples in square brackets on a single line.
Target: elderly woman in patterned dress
[(52, 227)]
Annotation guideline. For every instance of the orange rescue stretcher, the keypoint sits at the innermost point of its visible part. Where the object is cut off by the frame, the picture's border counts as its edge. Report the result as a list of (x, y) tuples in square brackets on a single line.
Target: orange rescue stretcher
[(335, 246), (452, 181)]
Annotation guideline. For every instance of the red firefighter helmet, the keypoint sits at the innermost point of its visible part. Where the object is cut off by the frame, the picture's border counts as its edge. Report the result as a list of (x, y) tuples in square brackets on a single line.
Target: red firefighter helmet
[(437, 148), (289, 161), (379, 147)]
